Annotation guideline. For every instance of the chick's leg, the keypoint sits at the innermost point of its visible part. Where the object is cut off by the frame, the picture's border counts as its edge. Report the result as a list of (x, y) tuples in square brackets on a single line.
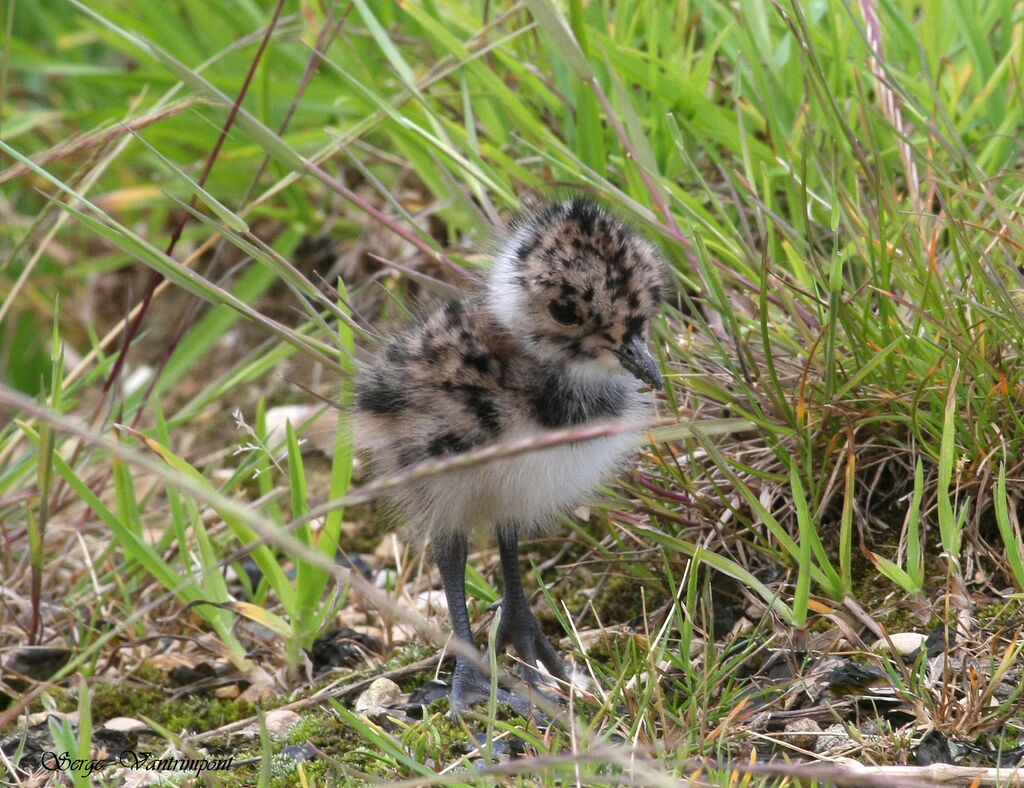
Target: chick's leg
[(469, 683), (518, 624)]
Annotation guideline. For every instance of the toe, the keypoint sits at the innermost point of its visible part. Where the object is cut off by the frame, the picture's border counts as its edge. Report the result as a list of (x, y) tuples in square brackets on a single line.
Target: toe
[(547, 654), (462, 699), (534, 649)]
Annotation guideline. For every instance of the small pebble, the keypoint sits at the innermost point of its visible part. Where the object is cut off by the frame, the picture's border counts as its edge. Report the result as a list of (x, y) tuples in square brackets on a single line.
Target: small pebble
[(382, 692), (905, 643), (280, 721), (802, 733)]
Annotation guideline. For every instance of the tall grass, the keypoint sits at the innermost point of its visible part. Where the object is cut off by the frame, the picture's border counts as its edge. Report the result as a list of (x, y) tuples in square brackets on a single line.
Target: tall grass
[(837, 186)]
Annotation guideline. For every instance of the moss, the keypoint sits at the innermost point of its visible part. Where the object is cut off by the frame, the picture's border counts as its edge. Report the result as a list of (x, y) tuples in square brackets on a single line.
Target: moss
[(408, 655), (623, 598), (308, 727), (327, 732), (128, 699), (195, 713), (312, 773), (63, 699), (414, 681), (999, 614)]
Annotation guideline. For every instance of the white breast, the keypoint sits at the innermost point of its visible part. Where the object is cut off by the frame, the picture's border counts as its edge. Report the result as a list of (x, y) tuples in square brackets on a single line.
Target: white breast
[(540, 486), (532, 489)]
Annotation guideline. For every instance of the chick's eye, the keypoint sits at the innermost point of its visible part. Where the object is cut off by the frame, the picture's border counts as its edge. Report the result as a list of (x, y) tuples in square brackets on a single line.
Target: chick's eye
[(564, 313)]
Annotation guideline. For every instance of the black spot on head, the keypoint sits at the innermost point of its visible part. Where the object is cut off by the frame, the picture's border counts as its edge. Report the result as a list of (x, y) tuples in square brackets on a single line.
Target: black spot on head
[(633, 301), (588, 258), (588, 294), (584, 213), (448, 443), (617, 286), (620, 273), (431, 352), (478, 361), (617, 258), (634, 325), (379, 396)]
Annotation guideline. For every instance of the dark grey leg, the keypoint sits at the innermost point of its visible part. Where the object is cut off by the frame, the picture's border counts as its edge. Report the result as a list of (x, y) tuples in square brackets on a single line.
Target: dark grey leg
[(469, 683), (518, 625), (450, 555)]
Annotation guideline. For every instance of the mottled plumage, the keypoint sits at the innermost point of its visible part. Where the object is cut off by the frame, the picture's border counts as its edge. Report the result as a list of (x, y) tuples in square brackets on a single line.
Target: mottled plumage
[(556, 340)]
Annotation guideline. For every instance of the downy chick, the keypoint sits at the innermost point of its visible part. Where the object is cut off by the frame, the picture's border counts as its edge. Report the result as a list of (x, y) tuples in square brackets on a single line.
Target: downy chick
[(558, 339)]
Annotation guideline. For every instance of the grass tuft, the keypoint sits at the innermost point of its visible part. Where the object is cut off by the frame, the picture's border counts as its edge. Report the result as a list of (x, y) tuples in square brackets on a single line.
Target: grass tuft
[(208, 208)]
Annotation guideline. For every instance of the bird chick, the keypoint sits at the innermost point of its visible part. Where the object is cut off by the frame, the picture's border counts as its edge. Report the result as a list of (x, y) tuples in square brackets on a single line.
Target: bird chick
[(557, 340)]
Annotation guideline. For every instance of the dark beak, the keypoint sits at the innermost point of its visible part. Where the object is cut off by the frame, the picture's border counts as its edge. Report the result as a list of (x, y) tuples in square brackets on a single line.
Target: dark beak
[(637, 360)]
